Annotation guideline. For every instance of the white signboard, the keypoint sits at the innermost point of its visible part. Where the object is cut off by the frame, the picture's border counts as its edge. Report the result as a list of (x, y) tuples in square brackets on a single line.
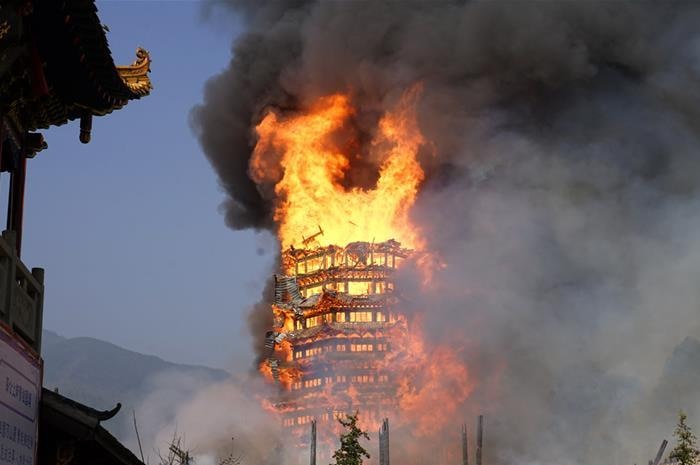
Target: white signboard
[(20, 388)]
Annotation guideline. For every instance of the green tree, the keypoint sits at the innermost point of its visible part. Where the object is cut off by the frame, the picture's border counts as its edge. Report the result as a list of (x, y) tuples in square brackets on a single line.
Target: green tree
[(685, 452), (351, 451)]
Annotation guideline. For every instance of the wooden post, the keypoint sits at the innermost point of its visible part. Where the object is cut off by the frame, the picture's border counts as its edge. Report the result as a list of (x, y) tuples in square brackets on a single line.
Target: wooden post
[(38, 274), (465, 445), (2, 140), (15, 203), (660, 453), (384, 443), (479, 439), (313, 443)]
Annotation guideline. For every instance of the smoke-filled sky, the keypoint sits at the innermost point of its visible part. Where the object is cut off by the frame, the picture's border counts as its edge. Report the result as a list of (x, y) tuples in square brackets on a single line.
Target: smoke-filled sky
[(562, 190)]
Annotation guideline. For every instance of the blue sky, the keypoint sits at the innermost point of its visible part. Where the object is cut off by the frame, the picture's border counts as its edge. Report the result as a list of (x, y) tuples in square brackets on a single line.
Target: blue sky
[(127, 226)]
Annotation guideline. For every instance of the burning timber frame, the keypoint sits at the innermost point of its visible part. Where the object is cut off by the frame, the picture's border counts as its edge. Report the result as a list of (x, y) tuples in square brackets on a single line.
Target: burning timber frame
[(337, 268), (334, 327)]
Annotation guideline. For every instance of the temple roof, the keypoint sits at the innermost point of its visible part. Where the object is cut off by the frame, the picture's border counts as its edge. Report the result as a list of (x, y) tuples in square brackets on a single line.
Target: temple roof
[(66, 42), (65, 421), (79, 63), (87, 416)]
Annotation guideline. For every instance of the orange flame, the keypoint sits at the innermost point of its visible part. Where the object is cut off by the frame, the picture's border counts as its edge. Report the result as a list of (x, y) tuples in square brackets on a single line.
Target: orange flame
[(309, 186), (299, 154), (284, 321)]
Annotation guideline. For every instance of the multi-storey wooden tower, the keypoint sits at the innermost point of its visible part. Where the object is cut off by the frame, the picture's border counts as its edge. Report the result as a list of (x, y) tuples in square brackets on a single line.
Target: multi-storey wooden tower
[(336, 323)]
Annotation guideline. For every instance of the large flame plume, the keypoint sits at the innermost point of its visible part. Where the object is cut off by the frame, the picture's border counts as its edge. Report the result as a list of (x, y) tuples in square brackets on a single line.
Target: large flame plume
[(309, 174)]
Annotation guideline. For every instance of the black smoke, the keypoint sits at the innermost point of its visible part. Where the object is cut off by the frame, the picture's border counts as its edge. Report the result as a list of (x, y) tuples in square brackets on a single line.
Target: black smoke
[(562, 190)]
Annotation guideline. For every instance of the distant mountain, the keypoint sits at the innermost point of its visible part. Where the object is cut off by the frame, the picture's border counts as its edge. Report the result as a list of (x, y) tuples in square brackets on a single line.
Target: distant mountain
[(49, 338), (100, 374)]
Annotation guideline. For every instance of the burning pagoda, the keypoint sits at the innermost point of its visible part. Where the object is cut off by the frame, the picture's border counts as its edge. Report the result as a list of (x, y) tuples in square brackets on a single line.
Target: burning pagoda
[(335, 324), (340, 338)]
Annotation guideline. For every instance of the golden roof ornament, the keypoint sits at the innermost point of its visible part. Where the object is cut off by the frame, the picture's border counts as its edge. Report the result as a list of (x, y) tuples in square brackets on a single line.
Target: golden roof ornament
[(135, 75)]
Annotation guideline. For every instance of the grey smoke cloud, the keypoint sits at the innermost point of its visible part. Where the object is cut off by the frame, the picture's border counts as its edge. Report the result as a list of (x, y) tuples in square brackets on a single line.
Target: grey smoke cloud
[(210, 419), (562, 193)]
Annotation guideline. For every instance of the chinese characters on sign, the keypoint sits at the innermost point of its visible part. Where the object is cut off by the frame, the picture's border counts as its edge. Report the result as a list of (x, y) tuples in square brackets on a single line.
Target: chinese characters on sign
[(20, 385)]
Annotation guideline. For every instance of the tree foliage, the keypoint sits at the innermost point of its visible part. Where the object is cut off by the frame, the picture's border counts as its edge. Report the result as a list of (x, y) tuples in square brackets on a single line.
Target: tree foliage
[(351, 451), (686, 451)]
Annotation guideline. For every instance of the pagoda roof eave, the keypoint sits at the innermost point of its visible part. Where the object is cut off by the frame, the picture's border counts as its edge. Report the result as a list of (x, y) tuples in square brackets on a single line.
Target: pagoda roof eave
[(339, 329), (80, 73)]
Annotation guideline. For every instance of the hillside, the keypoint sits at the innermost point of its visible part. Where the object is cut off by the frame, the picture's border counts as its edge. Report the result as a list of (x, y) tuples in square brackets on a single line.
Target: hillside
[(100, 374)]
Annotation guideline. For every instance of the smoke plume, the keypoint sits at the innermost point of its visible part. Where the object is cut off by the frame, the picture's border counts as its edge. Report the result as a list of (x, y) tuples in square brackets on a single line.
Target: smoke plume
[(562, 191)]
